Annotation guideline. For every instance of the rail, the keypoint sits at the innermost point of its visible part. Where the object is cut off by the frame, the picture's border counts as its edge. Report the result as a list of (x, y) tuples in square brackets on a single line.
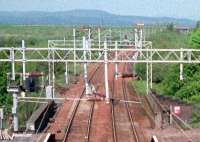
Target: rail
[(75, 110)]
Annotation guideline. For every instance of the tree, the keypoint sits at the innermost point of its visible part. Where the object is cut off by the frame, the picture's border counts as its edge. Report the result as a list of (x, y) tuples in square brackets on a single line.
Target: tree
[(198, 25), (170, 27), (195, 39), (5, 98)]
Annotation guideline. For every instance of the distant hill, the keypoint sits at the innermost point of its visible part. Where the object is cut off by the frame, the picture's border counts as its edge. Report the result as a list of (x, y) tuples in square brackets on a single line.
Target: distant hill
[(83, 17)]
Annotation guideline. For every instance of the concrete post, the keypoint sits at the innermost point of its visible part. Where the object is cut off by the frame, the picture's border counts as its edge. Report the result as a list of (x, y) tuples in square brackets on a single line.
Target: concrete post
[(1, 118), (170, 115)]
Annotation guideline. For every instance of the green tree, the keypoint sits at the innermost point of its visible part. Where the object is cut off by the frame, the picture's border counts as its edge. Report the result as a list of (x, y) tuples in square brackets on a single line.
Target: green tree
[(5, 98), (195, 39), (198, 25), (170, 27)]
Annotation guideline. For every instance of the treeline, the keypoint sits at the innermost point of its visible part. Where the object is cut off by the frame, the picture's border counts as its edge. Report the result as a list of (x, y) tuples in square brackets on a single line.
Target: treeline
[(166, 79), (166, 76)]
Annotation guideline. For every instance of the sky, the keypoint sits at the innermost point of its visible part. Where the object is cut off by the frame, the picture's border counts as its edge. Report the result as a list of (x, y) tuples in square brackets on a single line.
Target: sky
[(154, 8)]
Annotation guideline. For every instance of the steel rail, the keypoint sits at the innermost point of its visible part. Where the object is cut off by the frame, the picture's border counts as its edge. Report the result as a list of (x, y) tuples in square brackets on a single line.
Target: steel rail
[(135, 134), (90, 122), (113, 111), (75, 110), (89, 126)]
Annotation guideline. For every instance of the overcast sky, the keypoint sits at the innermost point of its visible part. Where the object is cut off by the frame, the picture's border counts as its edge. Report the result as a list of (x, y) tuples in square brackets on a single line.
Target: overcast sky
[(159, 8)]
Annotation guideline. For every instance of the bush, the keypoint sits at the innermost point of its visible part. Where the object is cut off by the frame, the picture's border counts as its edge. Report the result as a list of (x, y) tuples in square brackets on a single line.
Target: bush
[(195, 39)]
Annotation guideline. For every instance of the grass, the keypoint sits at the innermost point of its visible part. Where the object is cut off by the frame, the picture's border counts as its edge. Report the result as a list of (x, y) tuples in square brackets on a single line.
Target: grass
[(140, 87), (35, 35)]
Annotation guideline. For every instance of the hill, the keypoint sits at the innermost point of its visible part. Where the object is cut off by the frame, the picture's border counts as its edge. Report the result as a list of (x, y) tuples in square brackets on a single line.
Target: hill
[(83, 17)]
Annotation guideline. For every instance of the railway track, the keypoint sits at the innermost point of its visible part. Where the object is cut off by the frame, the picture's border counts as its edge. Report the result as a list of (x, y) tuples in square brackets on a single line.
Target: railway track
[(131, 133), (81, 116), (134, 130)]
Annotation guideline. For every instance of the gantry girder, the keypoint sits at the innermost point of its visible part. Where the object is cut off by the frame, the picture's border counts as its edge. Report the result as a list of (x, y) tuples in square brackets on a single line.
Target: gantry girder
[(126, 53)]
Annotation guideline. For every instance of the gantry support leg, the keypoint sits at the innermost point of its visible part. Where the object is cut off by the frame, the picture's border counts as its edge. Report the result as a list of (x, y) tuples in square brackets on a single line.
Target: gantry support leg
[(106, 72), (14, 111), (85, 67)]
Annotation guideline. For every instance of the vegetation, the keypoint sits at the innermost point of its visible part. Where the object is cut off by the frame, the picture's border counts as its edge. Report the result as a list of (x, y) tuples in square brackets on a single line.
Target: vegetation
[(166, 77), (139, 86), (5, 98), (198, 25), (195, 39), (34, 36)]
